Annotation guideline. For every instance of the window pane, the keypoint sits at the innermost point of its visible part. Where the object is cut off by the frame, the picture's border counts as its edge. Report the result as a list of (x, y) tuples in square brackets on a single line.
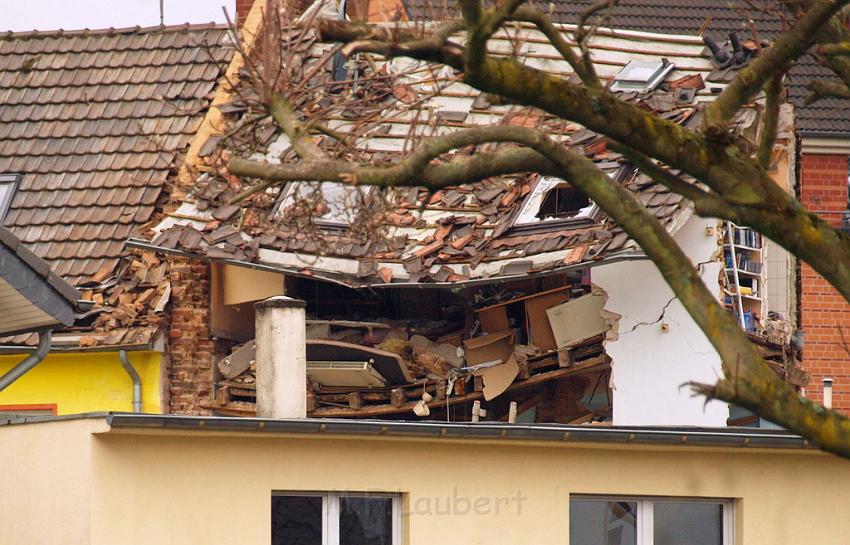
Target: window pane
[(365, 521), (688, 523), (596, 522), (296, 520)]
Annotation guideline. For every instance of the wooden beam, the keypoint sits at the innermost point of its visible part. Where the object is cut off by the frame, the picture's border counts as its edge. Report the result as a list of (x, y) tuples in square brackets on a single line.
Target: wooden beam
[(594, 364)]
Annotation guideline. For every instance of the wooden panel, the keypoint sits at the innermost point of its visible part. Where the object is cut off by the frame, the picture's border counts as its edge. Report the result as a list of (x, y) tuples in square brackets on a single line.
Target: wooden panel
[(539, 330), (234, 322), (241, 284), (577, 320), (493, 319)]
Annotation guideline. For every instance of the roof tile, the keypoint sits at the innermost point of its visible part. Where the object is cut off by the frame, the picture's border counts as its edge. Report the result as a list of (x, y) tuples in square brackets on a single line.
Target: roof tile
[(81, 123)]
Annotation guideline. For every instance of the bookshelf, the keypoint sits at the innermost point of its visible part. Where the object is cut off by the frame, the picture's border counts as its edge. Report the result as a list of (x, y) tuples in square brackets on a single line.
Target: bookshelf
[(745, 264)]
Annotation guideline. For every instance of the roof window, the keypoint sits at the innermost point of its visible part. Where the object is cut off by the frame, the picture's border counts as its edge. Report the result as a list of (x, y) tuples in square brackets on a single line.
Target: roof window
[(8, 187), (641, 76), (553, 199)]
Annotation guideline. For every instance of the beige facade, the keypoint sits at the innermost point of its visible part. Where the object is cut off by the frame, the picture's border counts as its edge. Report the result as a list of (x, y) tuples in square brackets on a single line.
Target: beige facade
[(82, 482)]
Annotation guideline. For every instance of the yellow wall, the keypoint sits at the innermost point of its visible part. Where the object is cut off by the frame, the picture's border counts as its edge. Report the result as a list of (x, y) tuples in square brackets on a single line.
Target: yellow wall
[(45, 483), (60, 484), (85, 382), (203, 489)]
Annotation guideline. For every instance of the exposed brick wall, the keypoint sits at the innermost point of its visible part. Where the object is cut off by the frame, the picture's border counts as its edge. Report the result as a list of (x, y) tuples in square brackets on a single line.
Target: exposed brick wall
[(242, 9), (825, 315), (190, 373)]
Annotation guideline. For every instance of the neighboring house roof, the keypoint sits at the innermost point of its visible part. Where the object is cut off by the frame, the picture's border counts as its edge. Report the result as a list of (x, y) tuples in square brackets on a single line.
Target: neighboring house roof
[(464, 234), (94, 122), (825, 118), (32, 297)]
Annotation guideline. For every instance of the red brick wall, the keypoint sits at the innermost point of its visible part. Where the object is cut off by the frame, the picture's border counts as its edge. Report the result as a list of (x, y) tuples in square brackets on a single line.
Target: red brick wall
[(190, 373), (242, 9), (824, 314)]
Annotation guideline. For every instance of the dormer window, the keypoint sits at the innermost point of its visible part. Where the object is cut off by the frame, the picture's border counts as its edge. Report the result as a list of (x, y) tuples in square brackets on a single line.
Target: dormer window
[(554, 201), (564, 201)]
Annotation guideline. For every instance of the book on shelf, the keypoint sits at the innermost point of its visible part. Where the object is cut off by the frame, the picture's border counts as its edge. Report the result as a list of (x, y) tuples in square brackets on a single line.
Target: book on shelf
[(743, 263), (746, 237)]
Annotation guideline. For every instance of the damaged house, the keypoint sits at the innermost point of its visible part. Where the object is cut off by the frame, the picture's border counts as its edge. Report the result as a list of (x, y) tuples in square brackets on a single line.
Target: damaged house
[(513, 298)]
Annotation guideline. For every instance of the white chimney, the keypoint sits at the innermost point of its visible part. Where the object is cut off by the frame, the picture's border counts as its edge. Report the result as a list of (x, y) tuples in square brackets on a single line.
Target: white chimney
[(281, 356)]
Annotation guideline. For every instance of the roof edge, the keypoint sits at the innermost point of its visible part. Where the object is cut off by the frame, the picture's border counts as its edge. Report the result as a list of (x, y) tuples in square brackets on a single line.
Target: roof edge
[(58, 33), (551, 433)]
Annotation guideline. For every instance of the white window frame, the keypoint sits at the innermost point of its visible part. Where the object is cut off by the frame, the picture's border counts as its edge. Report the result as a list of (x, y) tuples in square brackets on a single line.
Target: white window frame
[(13, 181), (646, 515), (527, 215), (330, 511)]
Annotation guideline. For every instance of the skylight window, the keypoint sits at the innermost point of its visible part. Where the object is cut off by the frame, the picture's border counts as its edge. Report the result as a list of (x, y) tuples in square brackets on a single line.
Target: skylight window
[(8, 187), (332, 204), (641, 76), (554, 200)]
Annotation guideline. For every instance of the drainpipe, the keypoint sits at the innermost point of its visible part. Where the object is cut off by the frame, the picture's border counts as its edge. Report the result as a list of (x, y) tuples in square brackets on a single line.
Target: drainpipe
[(44, 342), (137, 380)]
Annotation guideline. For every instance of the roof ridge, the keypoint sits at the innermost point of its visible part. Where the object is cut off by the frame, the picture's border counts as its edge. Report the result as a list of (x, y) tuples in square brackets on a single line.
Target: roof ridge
[(58, 33)]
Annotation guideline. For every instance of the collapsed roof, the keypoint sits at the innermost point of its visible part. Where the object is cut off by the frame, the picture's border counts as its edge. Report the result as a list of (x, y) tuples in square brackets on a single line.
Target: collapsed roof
[(93, 123), (494, 230)]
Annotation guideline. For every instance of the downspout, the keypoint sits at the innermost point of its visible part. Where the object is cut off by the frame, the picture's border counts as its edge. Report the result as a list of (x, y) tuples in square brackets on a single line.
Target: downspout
[(44, 342), (137, 380)]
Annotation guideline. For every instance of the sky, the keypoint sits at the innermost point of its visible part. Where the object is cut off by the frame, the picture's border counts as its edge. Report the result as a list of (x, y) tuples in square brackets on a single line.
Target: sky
[(23, 15)]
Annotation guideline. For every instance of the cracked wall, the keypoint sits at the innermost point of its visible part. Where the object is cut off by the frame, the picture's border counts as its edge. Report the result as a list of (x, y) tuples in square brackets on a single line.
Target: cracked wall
[(657, 346)]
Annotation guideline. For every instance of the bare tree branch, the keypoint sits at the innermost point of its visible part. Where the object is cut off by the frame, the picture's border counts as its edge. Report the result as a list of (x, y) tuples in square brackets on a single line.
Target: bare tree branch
[(767, 137), (752, 78), (586, 73)]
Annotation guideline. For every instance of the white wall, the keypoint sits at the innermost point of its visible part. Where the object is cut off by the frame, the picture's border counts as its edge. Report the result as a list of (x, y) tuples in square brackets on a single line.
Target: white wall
[(649, 366), (96, 14)]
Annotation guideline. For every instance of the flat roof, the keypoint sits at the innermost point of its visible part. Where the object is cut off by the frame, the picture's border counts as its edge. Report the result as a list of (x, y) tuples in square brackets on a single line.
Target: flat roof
[(644, 435)]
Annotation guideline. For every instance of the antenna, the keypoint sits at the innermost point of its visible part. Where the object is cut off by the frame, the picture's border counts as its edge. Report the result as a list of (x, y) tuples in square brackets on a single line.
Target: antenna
[(162, 12)]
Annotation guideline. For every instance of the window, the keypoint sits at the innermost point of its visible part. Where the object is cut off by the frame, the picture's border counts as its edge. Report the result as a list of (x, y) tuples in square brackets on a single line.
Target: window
[(641, 76), (654, 521), (564, 201), (554, 200), (8, 186), (336, 519)]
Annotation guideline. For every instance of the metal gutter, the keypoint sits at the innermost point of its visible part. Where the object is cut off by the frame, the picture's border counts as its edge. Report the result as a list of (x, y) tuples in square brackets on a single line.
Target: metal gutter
[(681, 436), (145, 245), (16, 349), (615, 258), (16, 372)]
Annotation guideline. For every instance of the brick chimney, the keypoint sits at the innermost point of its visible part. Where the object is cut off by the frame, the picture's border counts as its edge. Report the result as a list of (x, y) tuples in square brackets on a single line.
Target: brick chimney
[(242, 9)]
